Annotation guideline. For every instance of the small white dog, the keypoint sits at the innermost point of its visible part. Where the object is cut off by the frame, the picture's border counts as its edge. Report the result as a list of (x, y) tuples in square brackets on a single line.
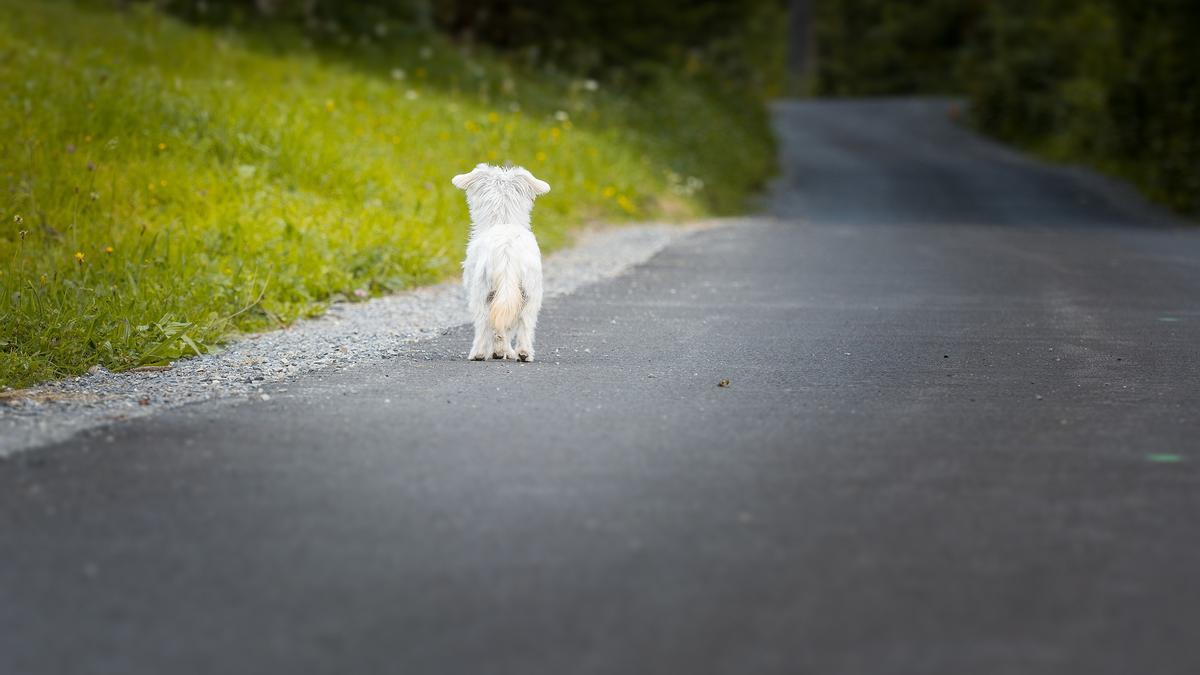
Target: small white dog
[(503, 269)]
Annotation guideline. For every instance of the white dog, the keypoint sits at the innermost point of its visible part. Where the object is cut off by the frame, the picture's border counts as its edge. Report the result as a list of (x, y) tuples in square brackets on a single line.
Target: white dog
[(503, 269)]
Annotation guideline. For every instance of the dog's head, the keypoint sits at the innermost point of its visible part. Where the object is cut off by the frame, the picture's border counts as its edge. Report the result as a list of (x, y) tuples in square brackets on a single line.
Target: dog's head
[(500, 194)]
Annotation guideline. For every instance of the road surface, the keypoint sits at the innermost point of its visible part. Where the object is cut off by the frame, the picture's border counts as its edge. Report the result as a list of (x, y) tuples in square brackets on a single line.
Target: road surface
[(960, 435)]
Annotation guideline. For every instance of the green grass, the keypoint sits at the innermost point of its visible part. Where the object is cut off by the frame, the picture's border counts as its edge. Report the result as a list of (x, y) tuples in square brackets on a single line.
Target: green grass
[(166, 185)]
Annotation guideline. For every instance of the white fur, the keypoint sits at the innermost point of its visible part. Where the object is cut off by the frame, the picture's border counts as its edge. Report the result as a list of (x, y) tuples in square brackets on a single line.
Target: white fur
[(503, 269)]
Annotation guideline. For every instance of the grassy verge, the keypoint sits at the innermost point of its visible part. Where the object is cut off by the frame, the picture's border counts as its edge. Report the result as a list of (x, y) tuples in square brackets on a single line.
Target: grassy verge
[(166, 185)]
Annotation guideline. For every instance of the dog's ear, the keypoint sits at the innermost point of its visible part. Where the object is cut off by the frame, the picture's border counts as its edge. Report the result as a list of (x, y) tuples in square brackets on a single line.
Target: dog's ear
[(464, 180), (539, 187)]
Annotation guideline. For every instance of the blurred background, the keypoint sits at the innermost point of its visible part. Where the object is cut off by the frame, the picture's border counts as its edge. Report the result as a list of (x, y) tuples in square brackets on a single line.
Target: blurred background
[(177, 171), (1108, 83)]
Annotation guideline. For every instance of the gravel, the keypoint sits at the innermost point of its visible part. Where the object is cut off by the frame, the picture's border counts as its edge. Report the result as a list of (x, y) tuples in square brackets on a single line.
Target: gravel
[(347, 335)]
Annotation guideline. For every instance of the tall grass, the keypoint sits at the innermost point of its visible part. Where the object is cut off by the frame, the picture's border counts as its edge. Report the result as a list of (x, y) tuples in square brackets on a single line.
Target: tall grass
[(166, 185)]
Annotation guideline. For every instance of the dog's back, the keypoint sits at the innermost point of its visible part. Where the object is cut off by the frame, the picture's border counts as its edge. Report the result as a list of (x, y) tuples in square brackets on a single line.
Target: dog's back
[(507, 263)]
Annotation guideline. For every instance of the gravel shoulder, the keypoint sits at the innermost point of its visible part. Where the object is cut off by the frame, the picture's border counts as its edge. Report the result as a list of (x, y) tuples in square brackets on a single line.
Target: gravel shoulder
[(346, 335)]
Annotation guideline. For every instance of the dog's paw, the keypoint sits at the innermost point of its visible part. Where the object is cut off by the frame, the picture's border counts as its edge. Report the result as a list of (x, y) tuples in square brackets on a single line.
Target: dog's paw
[(477, 356), (506, 355), (525, 356)]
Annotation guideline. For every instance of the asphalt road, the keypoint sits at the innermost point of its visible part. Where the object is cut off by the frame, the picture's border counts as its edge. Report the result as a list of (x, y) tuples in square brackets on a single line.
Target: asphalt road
[(960, 436)]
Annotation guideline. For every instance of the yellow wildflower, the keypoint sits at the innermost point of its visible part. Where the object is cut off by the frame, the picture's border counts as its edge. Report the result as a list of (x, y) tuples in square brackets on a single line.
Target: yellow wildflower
[(162, 146), (330, 104), (493, 117), (108, 250), (79, 257), (540, 156), (609, 191)]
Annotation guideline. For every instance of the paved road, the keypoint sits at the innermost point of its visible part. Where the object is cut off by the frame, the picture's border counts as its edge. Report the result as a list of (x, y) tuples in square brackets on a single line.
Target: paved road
[(958, 382)]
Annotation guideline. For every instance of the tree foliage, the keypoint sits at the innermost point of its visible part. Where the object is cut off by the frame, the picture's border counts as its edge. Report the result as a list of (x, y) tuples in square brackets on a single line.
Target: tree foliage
[(738, 42), (877, 47), (1112, 83)]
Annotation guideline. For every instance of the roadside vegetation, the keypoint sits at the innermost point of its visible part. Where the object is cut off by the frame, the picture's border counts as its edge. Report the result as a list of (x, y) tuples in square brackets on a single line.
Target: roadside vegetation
[(1109, 83), (168, 182)]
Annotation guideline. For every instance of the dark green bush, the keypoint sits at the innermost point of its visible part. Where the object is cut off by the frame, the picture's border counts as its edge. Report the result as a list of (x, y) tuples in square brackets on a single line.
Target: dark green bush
[(739, 43), (1114, 84), (882, 47), (1111, 83)]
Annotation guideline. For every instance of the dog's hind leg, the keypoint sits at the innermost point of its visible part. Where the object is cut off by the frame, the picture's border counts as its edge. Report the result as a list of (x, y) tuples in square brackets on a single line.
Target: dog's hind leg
[(480, 347), (526, 324), (501, 347)]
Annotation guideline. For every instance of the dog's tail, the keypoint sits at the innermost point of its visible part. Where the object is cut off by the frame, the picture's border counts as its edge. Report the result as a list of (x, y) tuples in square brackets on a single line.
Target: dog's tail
[(507, 297)]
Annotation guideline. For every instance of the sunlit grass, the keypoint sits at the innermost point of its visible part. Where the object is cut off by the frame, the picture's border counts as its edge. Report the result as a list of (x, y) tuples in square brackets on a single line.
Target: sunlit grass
[(166, 185)]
